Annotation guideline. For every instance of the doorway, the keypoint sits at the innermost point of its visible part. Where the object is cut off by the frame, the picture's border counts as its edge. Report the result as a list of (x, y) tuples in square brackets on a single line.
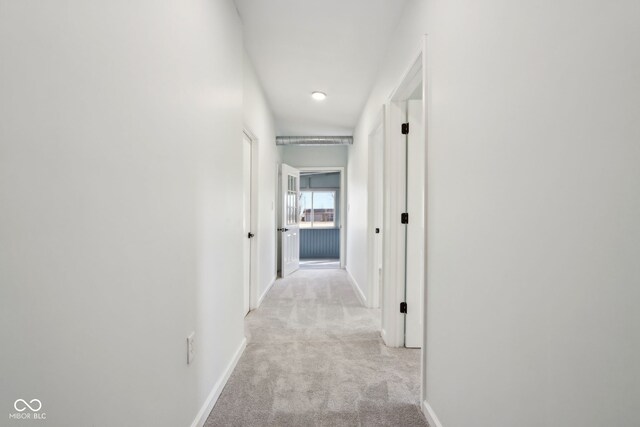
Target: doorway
[(403, 264), (247, 219), (321, 217), (314, 237)]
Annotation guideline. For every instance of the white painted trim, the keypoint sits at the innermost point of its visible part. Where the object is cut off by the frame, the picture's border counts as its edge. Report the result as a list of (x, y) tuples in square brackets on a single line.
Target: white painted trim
[(393, 232), (410, 79), (395, 201), (278, 214), (426, 93), (211, 400), (266, 291), (253, 281), (249, 134), (356, 288), (343, 206), (431, 417)]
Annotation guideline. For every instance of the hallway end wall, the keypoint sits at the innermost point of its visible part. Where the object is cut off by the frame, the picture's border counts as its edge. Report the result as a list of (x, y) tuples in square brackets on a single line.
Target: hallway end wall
[(304, 156)]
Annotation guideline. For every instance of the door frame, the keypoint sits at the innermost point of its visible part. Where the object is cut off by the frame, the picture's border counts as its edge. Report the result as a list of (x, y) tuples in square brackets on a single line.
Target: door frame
[(394, 203), (253, 280), (343, 207), (418, 71)]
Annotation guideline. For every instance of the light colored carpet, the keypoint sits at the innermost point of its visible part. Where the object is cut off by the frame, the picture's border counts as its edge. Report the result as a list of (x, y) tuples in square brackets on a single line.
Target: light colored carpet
[(315, 358)]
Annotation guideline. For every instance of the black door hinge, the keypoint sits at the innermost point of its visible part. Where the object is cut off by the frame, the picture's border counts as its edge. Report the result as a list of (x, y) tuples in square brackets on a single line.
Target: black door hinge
[(405, 128), (404, 218), (403, 307)]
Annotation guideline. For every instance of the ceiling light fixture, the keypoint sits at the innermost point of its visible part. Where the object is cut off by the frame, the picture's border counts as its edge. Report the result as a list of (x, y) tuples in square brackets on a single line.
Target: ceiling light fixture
[(318, 96)]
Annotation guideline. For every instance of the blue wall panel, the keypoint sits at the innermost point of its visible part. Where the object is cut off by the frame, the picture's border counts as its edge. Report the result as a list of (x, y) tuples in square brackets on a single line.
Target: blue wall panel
[(320, 243)]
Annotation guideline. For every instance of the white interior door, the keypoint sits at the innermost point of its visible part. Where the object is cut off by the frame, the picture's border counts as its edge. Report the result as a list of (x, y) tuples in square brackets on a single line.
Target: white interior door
[(290, 220), (415, 229), (246, 219)]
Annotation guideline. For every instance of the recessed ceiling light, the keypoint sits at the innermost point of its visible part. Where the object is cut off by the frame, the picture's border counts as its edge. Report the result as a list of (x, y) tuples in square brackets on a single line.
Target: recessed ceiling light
[(318, 96)]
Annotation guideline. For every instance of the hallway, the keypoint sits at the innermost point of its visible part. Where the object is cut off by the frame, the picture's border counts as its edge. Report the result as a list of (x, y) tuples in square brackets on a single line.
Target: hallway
[(315, 357), (471, 168)]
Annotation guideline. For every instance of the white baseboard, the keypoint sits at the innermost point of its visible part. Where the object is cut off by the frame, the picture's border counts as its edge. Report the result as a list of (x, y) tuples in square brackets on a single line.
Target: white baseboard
[(356, 288), (385, 339), (266, 291), (206, 408), (432, 419)]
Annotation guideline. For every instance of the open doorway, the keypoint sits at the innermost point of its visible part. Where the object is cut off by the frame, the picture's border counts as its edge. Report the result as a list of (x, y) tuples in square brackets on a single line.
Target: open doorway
[(321, 206), (403, 263), (311, 219)]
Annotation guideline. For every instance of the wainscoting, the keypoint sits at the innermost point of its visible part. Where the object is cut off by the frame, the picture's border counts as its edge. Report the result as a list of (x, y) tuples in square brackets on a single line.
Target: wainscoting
[(320, 243)]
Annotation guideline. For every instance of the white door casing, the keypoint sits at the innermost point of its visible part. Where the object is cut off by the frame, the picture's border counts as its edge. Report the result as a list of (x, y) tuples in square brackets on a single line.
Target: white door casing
[(393, 262), (290, 220), (415, 228), (246, 220), (399, 240)]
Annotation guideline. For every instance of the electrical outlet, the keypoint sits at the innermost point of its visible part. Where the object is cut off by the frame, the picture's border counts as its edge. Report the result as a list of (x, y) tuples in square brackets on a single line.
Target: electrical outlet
[(191, 349)]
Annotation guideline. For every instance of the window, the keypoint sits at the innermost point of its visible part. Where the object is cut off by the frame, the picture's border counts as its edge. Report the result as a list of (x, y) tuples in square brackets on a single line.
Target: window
[(292, 191), (317, 209)]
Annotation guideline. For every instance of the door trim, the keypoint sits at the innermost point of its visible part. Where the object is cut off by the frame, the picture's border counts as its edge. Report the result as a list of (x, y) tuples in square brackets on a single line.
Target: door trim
[(418, 71), (394, 185), (254, 277), (425, 115)]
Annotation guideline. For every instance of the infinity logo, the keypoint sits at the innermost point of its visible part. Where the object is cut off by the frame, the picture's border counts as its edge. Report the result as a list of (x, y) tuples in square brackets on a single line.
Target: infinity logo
[(26, 405)]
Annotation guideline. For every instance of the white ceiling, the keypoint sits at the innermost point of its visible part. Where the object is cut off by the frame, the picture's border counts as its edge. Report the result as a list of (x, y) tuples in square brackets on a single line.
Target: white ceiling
[(333, 46)]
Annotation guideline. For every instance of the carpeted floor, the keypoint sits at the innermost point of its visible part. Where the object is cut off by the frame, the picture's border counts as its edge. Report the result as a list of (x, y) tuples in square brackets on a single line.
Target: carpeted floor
[(315, 358)]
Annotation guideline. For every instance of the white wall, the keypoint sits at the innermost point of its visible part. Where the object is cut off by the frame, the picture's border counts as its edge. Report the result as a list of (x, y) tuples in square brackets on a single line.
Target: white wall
[(534, 202), (120, 189), (304, 156), (259, 120)]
